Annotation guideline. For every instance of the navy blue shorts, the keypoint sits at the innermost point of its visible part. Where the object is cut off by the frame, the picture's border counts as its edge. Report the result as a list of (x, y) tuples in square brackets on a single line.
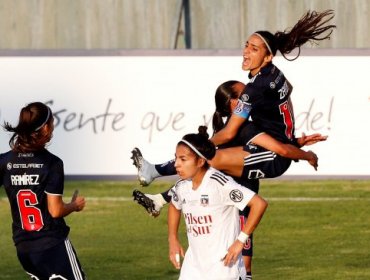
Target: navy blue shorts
[(56, 263), (262, 163)]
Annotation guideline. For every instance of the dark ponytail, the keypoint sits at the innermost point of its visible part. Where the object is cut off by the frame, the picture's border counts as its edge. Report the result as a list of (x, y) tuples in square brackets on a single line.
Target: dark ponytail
[(28, 135), (309, 28)]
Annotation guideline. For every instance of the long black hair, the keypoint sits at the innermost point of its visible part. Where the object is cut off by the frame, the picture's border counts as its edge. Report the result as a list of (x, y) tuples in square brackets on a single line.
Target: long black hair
[(309, 28), (28, 135)]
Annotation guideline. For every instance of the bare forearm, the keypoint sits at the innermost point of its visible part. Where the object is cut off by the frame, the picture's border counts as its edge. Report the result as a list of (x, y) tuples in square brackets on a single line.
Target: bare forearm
[(173, 222), (257, 209), (59, 209), (221, 137), (291, 151)]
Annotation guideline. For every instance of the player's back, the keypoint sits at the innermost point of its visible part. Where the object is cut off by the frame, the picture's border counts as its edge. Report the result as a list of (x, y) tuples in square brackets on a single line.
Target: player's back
[(27, 178)]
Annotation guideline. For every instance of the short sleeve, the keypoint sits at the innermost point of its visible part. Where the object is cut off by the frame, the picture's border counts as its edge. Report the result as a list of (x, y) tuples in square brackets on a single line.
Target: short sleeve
[(176, 197), (55, 179), (235, 194)]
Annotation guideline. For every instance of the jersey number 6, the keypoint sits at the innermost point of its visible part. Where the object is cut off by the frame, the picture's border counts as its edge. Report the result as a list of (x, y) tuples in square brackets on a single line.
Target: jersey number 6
[(30, 215)]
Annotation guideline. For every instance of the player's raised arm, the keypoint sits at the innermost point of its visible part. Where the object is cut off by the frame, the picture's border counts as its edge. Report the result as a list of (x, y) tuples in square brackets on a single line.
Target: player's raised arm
[(229, 131)]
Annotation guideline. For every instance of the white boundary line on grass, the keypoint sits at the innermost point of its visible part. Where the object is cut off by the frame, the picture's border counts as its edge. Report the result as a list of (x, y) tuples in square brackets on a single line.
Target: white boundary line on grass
[(293, 199), (303, 199)]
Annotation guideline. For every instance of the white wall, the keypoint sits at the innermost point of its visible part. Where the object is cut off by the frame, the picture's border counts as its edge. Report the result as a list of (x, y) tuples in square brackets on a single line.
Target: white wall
[(106, 105)]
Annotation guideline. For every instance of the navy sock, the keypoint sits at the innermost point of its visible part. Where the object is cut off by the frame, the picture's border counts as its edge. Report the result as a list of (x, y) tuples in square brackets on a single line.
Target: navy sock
[(167, 196), (167, 168)]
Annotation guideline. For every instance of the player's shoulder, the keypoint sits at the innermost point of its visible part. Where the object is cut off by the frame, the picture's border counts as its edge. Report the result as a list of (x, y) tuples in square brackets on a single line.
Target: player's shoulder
[(218, 177), (269, 77), (49, 156), (181, 183), (4, 159), (5, 156)]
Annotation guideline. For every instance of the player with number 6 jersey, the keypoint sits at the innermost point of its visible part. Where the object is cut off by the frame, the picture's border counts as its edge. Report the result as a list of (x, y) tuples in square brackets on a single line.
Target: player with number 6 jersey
[(33, 179)]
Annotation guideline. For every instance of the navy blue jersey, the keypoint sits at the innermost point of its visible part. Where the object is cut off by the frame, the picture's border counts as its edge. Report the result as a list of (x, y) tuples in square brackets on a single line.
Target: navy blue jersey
[(266, 98), (28, 178)]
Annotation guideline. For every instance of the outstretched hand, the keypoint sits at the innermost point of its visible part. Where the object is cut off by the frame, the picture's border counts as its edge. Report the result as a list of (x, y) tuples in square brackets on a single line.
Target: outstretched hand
[(306, 140)]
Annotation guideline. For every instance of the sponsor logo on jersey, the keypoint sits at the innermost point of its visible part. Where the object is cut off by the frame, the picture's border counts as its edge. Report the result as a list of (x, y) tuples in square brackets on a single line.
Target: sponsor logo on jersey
[(236, 195), (198, 225), (204, 200), (23, 165), (25, 155), (25, 180), (278, 78)]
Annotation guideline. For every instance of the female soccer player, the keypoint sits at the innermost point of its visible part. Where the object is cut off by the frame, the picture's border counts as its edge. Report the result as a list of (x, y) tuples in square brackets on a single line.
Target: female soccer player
[(34, 181), (210, 202), (226, 98), (266, 98)]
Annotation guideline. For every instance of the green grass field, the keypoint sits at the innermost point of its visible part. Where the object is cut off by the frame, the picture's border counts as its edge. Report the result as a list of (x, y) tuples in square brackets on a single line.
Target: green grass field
[(311, 230)]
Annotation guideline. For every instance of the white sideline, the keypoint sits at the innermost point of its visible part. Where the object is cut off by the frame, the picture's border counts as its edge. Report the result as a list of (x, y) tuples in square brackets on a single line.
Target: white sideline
[(294, 199)]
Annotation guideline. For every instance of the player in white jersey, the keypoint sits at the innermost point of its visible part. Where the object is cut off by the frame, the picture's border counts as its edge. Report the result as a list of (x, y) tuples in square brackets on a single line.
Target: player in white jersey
[(210, 202)]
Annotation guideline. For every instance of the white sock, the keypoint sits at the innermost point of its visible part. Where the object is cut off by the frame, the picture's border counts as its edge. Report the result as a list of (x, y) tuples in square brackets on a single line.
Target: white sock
[(158, 200)]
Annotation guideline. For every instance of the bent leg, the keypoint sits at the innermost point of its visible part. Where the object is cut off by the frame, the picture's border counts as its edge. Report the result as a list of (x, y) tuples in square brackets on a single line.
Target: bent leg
[(230, 160)]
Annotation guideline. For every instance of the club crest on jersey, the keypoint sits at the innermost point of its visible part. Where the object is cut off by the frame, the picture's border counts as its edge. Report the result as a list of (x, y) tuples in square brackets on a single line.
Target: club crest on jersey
[(236, 195), (272, 85), (204, 200)]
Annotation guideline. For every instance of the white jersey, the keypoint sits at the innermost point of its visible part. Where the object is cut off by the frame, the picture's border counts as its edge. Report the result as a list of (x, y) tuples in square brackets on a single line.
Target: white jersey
[(211, 214)]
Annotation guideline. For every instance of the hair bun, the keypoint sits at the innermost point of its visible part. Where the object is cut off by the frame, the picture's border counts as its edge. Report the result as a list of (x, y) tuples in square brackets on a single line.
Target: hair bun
[(202, 131)]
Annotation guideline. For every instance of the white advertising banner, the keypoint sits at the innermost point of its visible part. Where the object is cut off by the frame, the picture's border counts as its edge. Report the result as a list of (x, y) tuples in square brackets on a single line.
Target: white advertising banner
[(106, 105)]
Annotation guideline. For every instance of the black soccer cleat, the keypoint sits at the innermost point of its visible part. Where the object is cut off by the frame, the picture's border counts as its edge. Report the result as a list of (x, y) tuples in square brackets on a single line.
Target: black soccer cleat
[(146, 202)]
